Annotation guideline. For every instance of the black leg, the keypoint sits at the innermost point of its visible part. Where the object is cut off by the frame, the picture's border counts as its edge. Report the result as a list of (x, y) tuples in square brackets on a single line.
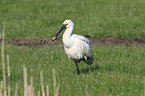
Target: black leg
[(77, 67), (78, 61)]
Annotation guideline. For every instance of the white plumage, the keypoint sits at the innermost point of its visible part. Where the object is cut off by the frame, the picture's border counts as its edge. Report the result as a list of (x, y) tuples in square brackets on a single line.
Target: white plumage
[(77, 47)]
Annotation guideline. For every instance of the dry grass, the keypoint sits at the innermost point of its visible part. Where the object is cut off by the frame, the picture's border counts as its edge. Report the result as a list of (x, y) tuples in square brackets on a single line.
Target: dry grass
[(56, 88), (0, 37), (16, 88), (8, 68), (144, 85), (42, 85), (3, 63), (47, 90), (1, 88), (87, 94), (28, 89)]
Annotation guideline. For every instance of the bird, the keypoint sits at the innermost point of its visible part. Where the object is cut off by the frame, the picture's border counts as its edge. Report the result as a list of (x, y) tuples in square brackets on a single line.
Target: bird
[(76, 47)]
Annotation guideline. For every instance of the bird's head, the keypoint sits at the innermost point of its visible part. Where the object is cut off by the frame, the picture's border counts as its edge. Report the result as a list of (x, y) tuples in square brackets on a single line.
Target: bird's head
[(66, 24)]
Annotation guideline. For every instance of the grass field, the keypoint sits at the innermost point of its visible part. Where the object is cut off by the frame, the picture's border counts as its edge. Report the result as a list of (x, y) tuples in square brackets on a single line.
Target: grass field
[(41, 18), (117, 70)]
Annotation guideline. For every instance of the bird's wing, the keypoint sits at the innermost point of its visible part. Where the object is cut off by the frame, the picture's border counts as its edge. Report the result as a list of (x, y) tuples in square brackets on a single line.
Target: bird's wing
[(81, 38), (84, 39)]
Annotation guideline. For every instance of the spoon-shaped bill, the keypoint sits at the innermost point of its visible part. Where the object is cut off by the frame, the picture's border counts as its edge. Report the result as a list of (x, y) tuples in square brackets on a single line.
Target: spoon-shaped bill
[(53, 38)]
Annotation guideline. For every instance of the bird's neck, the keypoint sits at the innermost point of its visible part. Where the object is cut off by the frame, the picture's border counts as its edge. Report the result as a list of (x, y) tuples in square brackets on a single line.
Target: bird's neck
[(68, 32), (67, 37)]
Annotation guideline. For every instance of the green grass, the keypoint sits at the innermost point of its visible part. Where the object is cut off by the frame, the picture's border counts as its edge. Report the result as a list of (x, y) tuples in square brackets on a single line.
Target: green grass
[(117, 70), (43, 18)]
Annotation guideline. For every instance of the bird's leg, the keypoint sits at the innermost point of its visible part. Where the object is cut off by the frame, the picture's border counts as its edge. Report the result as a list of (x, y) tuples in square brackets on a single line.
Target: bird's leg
[(78, 61), (77, 67)]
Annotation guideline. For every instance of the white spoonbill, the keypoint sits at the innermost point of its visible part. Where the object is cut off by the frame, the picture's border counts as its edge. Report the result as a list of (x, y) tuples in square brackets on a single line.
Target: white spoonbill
[(77, 47)]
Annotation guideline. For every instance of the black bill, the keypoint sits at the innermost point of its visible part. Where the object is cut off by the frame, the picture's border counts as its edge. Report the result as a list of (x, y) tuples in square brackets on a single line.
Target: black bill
[(53, 38)]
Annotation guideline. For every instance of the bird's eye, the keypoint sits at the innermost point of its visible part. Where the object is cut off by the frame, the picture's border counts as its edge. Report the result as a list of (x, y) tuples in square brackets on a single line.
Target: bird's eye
[(66, 25)]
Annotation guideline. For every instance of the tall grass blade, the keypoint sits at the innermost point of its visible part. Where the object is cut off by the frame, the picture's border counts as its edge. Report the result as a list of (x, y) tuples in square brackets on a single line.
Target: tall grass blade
[(57, 90), (54, 81), (1, 88), (3, 63), (32, 88), (8, 65), (47, 90), (8, 69), (16, 88), (144, 85), (42, 86), (25, 80), (0, 37), (39, 93), (31, 81), (30, 91), (87, 94)]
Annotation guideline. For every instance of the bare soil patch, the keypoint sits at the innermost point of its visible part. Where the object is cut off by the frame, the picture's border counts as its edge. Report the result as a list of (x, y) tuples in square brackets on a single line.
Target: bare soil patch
[(108, 40), (105, 41)]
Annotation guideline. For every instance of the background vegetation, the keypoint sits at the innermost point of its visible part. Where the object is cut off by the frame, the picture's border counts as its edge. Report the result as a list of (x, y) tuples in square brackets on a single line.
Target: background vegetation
[(117, 70)]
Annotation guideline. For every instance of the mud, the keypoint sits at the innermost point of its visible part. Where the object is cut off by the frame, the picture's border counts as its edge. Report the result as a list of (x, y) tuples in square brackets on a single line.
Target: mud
[(105, 41)]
